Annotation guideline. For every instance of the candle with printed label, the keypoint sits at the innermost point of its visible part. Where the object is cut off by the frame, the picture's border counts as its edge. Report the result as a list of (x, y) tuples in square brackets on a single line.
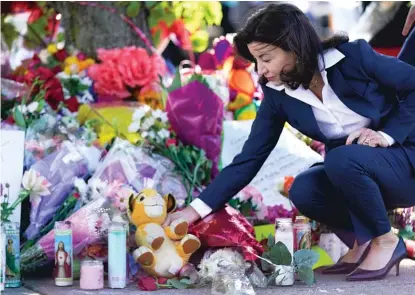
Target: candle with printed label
[(63, 254)]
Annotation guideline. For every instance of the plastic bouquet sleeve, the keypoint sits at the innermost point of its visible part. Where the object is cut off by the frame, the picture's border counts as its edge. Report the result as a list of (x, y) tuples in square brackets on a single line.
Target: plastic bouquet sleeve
[(196, 105), (60, 168), (228, 228), (89, 226)]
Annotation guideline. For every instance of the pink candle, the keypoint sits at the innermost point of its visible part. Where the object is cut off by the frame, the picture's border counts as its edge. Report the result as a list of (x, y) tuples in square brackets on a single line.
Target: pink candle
[(92, 275)]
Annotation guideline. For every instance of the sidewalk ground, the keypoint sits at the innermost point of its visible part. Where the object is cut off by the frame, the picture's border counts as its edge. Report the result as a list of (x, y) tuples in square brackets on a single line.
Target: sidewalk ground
[(404, 284)]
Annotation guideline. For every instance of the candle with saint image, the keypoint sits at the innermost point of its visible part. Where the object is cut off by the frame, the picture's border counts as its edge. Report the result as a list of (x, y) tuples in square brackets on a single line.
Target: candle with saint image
[(63, 271)]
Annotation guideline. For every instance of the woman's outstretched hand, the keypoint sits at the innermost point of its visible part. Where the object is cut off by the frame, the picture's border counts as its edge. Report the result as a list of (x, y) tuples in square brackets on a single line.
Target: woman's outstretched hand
[(368, 137), (189, 214)]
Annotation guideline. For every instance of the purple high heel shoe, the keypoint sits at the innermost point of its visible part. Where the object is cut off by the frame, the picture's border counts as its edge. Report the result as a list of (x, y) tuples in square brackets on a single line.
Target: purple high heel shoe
[(345, 267), (365, 275)]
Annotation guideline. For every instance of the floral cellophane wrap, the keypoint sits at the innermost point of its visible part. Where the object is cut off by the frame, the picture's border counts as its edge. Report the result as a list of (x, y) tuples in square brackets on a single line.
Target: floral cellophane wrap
[(111, 115), (228, 228), (132, 165), (196, 105), (60, 169)]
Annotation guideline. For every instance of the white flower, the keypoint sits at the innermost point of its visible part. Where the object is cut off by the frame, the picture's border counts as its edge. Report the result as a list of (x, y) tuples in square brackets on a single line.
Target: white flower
[(44, 55), (148, 123), (66, 93), (73, 69), (36, 184), (70, 122), (32, 107), (159, 114), (163, 133), (134, 126), (98, 188), (144, 134), (151, 134), (86, 81), (139, 113), (63, 75), (81, 186), (22, 108), (86, 97)]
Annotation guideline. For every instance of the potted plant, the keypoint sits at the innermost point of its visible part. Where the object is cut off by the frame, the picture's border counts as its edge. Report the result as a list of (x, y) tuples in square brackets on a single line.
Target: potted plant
[(282, 266)]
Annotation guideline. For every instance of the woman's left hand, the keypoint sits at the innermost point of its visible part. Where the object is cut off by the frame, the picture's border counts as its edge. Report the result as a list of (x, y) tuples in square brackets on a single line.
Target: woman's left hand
[(368, 137)]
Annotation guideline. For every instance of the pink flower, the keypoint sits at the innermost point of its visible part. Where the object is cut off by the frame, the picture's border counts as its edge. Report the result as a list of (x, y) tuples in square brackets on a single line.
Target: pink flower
[(138, 68), (107, 80), (106, 55)]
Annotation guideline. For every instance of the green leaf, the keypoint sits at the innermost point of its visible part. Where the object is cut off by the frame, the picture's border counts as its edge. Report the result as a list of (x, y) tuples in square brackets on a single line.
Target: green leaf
[(123, 3), (306, 274), (186, 281), (280, 255), (41, 105), (177, 82), (271, 241), (305, 258), (9, 32), (60, 37), (133, 9), (19, 118), (177, 284), (41, 3)]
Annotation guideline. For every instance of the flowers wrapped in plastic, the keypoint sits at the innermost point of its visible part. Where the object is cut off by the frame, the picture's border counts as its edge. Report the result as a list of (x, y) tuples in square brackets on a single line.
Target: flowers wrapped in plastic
[(60, 169), (187, 107), (89, 226), (225, 269), (132, 165), (228, 228)]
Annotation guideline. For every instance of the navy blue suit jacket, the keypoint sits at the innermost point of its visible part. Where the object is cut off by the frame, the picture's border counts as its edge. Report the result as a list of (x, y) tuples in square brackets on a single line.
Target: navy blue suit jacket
[(373, 85)]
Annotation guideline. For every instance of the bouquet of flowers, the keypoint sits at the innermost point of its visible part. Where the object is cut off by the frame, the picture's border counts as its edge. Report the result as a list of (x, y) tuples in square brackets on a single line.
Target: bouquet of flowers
[(123, 72), (89, 226), (249, 202), (189, 161), (60, 169)]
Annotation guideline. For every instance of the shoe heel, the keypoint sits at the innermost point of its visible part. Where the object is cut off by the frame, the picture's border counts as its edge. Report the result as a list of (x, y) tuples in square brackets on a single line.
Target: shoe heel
[(397, 268)]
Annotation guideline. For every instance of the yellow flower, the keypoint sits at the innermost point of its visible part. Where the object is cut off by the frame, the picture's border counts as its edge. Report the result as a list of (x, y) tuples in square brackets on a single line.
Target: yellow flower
[(84, 64), (52, 48), (70, 60)]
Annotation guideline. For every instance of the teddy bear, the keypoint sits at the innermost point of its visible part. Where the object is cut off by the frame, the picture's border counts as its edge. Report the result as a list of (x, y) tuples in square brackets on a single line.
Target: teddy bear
[(162, 251)]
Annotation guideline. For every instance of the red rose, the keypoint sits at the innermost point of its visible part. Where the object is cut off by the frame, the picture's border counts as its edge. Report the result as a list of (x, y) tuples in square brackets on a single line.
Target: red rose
[(147, 283), (10, 120), (76, 195), (162, 281), (171, 141), (61, 55), (72, 104), (35, 15)]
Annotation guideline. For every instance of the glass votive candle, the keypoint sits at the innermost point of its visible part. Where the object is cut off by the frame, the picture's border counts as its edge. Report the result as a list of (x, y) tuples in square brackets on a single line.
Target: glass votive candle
[(92, 275)]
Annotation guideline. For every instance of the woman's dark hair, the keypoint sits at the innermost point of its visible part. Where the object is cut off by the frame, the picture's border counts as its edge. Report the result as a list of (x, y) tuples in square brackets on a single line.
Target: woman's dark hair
[(287, 27)]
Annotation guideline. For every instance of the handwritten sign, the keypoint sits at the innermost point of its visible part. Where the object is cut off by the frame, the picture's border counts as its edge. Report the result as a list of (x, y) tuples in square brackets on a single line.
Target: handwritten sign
[(290, 157), (12, 155)]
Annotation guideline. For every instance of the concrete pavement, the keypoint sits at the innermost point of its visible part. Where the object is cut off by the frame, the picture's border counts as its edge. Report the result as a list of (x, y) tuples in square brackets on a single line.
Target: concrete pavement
[(404, 284)]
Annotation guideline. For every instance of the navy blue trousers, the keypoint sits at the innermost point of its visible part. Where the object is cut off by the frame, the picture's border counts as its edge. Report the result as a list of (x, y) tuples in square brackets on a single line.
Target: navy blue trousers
[(353, 189)]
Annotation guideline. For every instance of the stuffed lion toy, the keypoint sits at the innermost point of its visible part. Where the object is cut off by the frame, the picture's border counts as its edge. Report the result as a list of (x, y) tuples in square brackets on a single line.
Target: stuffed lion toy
[(162, 251)]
